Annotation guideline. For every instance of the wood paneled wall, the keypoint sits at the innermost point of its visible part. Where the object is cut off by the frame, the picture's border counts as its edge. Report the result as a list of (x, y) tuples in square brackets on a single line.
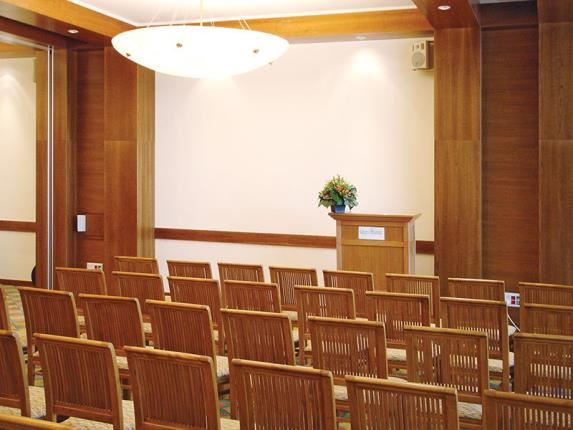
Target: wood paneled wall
[(556, 144), (115, 157), (458, 153), (510, 154)]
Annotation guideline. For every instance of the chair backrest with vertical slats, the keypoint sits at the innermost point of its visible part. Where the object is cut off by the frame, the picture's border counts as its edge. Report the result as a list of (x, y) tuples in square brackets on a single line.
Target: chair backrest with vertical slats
[(281, 396), (142, 286), (414, 284), (4, 315), (189, 269), (260, 336), (547, 319), (80, 379), (396, 311), (173, 389), (252, 296), (513, 411), (348, 347), (80, 281), (182, 327), (453, 358), (136, 264), (480, 289), (487, 316), (49, 312), (322, 302), (544, 294), (374, 404), (543, 365), (359, 282), (197, 291), (13, 389), (240, 272), (287, 277), (112, 319)]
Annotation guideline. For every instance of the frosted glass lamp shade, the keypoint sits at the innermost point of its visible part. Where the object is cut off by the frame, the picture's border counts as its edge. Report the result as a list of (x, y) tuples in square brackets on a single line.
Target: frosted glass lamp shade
[(199, 51)]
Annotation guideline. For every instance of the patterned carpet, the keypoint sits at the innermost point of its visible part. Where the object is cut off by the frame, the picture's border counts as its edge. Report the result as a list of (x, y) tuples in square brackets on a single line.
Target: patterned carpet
[(17, 321)]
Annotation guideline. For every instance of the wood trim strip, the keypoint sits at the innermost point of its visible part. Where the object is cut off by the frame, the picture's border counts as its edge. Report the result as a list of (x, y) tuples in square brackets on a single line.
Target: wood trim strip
[(21, 226), (273, 239), (16, 283)]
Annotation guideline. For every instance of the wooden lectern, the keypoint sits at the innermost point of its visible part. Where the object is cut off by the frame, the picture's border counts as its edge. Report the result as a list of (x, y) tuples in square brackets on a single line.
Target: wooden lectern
[(378, 244)]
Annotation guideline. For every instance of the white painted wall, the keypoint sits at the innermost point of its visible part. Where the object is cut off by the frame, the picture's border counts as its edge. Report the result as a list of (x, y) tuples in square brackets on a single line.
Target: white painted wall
[(17, 164), (251, 153)]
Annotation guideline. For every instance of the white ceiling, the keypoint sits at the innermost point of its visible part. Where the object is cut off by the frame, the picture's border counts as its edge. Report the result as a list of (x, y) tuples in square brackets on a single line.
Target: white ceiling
[(143, 12)]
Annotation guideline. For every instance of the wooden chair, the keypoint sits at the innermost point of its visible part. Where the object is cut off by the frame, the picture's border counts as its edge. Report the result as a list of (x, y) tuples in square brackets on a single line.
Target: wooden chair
[(452, 358), (286, 278), (49, 312), (544, 365), (380, 404), (321, 302), (116, 320), (414, 284), (513, 411), (480, 289), (189, 269), (488, 317), (173, 390), (547, 319), (201, 292), (10, 422), (4, 315), (15, 397), (252, 296), (397, 311), (544, 294), (81, 381), (283, 397), (359, 282), (259, 336), (80, 281), (136, 264), (143, 287), (183, 327), (348, 347), (240, 272)]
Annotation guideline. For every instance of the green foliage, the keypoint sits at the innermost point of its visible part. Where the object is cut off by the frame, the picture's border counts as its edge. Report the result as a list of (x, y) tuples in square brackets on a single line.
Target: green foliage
[(338, 191)]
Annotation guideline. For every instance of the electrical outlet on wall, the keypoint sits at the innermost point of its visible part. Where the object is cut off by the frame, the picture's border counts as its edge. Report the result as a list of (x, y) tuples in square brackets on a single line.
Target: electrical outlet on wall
[(94, 266), (512, 300)]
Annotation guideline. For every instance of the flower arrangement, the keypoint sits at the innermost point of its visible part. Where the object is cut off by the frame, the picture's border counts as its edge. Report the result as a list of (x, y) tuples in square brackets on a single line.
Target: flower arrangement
[(338, 192)]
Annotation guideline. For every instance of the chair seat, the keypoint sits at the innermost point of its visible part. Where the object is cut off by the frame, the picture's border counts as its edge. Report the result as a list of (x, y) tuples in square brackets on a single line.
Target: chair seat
[(147, 328), (396, 355), (222, 368), (37, 404), (471, 411), (511, 330), (82, 424), (228, 424), (496, 365), (295, 335)]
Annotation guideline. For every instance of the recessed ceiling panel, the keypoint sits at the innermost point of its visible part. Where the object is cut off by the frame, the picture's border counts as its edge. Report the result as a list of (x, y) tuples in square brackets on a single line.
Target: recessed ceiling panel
[(143, 12)]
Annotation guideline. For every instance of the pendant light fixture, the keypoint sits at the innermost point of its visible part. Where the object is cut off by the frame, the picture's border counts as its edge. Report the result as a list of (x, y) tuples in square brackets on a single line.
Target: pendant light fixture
[(199, 51)]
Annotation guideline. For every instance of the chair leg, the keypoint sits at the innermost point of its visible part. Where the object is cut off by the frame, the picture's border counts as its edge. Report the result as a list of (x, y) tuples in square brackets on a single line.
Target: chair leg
[(31, 371)]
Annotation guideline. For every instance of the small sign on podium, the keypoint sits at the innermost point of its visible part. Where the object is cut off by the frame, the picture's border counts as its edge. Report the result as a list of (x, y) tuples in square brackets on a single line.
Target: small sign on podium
[(371, 233)]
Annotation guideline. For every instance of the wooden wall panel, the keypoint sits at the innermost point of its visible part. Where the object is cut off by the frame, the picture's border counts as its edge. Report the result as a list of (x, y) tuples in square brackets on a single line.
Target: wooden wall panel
[(90, 153), (41, 169), (64, 250), (510, 155), (458, 153), (556, 152), (129, 158)]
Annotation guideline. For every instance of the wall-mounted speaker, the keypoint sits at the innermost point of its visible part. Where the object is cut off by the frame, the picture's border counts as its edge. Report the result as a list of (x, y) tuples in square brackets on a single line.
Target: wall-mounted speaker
[(422, 55)]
